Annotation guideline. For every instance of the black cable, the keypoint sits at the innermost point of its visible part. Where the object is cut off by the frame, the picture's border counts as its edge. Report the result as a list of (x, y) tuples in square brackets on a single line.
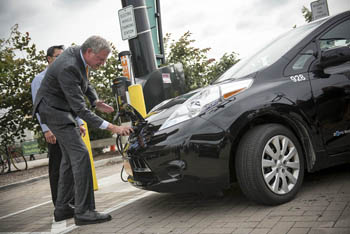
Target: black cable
[(136, 119), (119, 145), (121, 150), (121, 175)]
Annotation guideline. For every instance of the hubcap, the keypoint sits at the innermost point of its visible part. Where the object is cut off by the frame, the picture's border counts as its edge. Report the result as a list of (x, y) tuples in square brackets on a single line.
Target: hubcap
[(280, 164)]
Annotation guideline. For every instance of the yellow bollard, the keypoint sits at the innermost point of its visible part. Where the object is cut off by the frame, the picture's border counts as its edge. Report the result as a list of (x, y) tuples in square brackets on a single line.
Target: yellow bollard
[(136, 99), (86, 140)]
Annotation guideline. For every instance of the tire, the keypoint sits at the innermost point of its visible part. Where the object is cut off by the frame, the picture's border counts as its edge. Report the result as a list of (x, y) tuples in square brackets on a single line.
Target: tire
[(19, 161), (4, 166), (270, 164)]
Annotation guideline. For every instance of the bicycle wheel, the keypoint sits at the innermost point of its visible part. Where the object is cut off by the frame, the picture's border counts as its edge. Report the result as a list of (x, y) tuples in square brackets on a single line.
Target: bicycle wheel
[(4, 165), (19, 161)]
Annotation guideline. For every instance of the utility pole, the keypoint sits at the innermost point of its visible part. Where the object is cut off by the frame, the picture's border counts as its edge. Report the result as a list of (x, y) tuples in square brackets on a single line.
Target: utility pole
[(143, 56), (157, 84)]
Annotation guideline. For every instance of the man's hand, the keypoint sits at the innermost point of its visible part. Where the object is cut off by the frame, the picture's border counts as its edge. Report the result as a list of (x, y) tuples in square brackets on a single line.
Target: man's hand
[(82, 130), (120, 130), (103, 107), (49, 137)]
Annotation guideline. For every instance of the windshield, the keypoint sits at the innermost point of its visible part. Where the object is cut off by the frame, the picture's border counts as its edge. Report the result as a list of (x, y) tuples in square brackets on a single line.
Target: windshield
[(270, 53)]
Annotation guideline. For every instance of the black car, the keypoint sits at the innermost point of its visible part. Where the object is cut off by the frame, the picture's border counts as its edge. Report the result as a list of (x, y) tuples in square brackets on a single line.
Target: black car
[(270, 117)]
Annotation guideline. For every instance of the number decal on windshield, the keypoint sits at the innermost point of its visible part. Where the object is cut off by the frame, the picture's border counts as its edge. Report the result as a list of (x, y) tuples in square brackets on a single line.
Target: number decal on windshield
[(298, 78)]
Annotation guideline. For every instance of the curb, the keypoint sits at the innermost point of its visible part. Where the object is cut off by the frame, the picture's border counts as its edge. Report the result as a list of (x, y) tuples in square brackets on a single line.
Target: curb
[(98, 163)]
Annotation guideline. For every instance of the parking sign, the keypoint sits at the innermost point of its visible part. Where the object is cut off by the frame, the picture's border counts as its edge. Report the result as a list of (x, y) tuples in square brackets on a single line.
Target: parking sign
[(319, 9), (127, 23)]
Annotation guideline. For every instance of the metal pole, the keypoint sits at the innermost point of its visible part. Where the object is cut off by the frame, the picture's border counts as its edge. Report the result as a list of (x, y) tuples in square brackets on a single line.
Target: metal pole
[(143, 55), (160, 31)]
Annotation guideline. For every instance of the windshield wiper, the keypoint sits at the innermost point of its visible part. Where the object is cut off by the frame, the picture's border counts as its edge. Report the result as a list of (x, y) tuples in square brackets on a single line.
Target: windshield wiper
[(251, 75), (222, 81)]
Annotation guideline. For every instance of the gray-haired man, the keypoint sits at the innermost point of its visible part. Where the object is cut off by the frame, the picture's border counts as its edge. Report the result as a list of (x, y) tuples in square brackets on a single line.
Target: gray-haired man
[(54, 151), (59, 100)]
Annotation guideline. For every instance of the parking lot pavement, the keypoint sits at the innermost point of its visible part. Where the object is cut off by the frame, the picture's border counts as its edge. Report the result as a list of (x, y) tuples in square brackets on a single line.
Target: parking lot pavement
[(322, 206)]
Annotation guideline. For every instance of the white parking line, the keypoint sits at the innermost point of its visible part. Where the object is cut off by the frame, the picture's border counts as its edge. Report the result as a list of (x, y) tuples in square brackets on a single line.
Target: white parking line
[(58, 227), (114, 208), (21, 211), (114, 184)]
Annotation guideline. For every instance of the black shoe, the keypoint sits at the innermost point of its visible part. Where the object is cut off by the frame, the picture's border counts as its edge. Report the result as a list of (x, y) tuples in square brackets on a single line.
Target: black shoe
[(62, 214), (91, 217)]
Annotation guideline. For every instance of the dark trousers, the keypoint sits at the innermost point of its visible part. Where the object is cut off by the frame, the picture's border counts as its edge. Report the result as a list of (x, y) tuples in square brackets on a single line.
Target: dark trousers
[(75, 171), (55, 157)]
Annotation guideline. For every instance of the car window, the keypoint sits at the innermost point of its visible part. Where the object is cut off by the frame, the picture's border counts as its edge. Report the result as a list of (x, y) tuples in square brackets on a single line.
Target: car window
[(301, 62), (337, 36)]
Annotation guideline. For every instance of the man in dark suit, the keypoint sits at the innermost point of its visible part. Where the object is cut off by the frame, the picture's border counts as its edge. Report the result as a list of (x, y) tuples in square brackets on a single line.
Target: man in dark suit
[(59, 100), (54, 150)]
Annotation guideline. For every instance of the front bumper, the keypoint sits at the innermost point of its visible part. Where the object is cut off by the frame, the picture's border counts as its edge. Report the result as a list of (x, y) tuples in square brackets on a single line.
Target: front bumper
[(177, 185), (190, 157)]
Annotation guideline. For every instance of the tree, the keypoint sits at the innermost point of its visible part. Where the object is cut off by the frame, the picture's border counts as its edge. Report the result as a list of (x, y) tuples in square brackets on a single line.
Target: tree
[(199, 70), (218, 68), (19, 63), (194, 60), (307, 14)]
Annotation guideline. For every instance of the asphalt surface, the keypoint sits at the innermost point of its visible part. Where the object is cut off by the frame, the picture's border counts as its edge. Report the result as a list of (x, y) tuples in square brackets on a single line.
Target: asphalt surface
[(322, 206)]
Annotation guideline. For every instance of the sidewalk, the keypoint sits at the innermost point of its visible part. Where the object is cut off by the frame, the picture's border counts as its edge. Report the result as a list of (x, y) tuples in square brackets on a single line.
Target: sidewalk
[(37, 169)]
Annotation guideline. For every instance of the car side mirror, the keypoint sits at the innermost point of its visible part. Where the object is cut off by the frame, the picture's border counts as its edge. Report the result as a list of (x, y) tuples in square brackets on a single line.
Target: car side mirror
[(335, 56)]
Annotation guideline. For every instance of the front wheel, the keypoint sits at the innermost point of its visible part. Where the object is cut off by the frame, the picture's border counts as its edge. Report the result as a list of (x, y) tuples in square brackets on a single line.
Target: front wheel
[(269, 164), (19, 161)]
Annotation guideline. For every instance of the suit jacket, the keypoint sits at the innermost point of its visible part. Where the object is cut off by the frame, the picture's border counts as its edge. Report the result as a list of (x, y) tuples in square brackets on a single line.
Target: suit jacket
[(62, 91)]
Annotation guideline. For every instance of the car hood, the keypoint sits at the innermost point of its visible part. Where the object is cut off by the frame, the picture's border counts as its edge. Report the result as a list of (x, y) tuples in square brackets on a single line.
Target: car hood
[(161, 112), (158, 117)]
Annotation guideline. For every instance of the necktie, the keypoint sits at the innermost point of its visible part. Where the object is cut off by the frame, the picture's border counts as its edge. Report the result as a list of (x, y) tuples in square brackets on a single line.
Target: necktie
[(87, 71)]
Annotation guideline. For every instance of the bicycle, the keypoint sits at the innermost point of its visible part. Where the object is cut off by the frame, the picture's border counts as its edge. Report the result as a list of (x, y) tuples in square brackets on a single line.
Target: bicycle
[(4, 164), (17, 159), (12, 157)]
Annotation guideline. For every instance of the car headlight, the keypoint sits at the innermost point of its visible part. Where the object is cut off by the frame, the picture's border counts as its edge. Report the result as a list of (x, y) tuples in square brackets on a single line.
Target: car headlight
[(210, 95)]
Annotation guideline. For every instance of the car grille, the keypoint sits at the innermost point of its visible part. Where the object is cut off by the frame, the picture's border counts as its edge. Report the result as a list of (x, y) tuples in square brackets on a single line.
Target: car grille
[(139, 165)]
